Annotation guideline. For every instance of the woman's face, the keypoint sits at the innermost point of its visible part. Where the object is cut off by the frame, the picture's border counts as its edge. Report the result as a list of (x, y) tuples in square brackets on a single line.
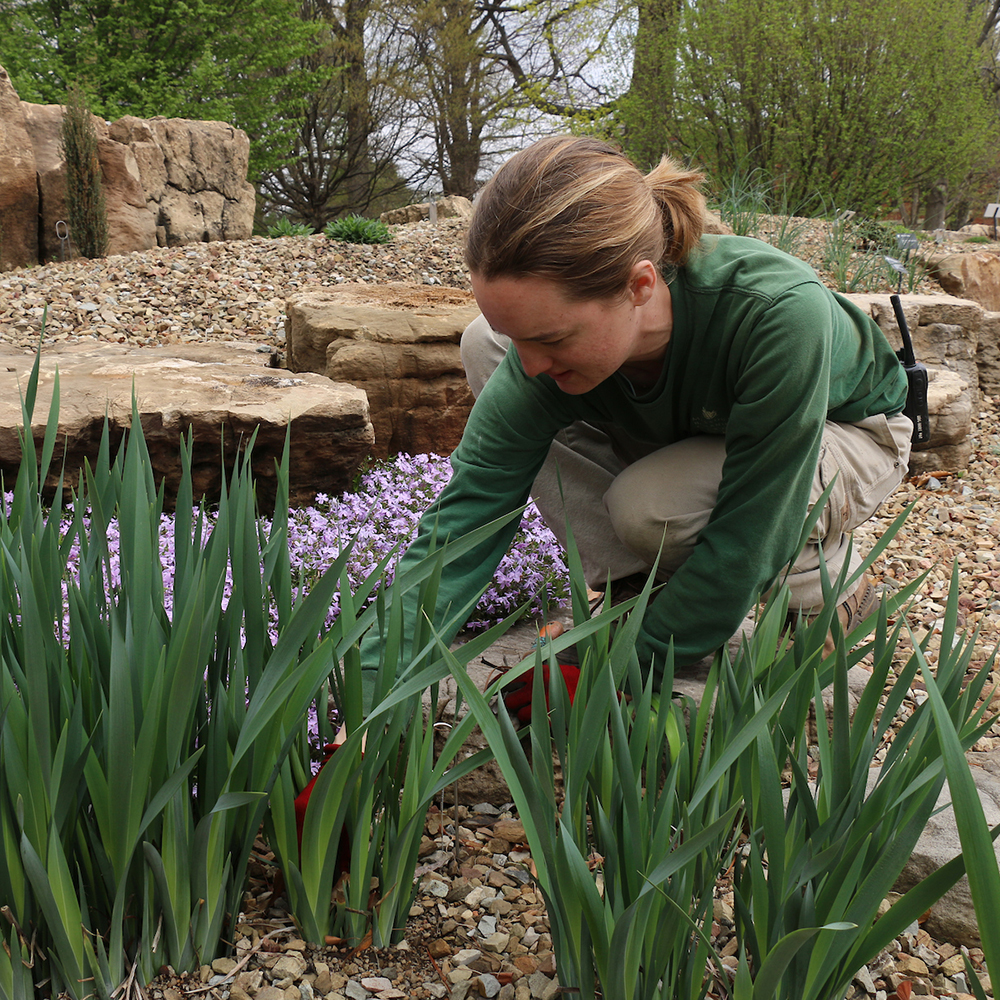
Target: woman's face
[(578, 344)]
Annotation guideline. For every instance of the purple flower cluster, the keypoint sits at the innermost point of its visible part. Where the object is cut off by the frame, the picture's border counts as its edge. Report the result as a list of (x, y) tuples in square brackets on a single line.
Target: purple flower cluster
[(380, 517), (378, 520)]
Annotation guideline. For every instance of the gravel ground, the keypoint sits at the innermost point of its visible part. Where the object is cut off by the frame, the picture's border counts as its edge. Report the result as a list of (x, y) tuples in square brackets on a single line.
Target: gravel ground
[(211, 291), (478, 927)]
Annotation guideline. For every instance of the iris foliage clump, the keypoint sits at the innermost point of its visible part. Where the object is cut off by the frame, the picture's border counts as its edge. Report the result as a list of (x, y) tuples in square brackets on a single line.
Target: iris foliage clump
[(156, 680), (634, 805)]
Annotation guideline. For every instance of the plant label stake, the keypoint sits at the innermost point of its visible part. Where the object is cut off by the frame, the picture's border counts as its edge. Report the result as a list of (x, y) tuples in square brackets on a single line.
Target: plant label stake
[(916, 380), (906, 242), (992, 211), (62, 233), (898, 266)]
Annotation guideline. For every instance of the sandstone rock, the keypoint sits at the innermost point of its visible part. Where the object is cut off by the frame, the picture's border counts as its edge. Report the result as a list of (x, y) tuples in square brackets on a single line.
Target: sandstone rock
[(452, 206), (223, 393), (400, 344), (130, 225), (950, 407), (44, 124), (166, 180), (19, 190), (973, 276), (137, 134), (199, 192), (945, 330), (946, 338), (988, 354), (953, 918), (977, 229)]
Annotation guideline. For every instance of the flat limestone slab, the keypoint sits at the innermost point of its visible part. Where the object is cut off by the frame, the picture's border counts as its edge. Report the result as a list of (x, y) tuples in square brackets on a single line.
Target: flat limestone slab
[(400, 343), (221, 393)]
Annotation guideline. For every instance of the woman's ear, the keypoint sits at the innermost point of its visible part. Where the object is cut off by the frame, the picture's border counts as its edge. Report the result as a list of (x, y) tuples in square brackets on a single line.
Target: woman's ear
[(642, 282)]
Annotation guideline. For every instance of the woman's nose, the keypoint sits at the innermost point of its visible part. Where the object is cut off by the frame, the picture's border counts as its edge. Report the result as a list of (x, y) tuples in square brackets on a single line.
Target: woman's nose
[(534, 359)]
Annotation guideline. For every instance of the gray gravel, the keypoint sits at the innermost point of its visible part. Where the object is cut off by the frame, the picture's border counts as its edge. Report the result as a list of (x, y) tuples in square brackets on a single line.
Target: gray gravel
[(206, 291)]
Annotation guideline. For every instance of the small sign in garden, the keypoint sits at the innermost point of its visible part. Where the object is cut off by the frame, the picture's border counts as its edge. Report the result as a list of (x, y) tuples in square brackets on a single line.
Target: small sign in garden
[(991, 212)]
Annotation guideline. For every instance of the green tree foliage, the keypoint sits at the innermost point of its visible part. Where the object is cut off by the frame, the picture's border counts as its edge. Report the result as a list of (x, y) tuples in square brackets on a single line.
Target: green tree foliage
[(88, 215), (647, 107), (203, 59), (851, 103), (858, 101)]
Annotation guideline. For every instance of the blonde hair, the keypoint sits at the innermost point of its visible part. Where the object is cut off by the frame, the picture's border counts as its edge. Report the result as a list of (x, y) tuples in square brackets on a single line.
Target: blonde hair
[(577, 211)]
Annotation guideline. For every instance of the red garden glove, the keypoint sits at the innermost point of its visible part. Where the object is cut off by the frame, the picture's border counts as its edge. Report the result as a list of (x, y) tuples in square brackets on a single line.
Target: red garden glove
[(344, 850), (518, 699)]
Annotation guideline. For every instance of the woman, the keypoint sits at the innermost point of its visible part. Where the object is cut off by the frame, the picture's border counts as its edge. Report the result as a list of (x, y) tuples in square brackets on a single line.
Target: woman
[(688, 395)]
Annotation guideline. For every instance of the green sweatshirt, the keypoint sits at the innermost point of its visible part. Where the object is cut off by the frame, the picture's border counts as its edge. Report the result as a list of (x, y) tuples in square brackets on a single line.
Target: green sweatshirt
[(760, 353)]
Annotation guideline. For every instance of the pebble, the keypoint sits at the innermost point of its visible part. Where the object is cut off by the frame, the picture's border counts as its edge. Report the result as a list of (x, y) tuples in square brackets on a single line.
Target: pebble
[(435, 887), (489, 986)]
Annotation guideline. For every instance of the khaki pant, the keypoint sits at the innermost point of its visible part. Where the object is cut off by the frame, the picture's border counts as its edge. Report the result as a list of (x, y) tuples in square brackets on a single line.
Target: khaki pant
[(623, 499)]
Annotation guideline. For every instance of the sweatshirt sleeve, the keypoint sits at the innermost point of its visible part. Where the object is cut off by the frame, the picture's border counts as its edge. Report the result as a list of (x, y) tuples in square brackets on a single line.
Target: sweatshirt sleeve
[(503, 446)]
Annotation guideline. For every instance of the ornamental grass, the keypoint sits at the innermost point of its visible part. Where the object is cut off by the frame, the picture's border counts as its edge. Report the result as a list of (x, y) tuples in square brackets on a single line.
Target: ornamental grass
[(662, 796), (155, 719), (147, 724)]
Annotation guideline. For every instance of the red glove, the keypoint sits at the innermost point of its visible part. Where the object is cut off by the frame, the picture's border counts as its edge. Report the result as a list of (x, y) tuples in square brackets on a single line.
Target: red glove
[(344, 850), (518, 698)]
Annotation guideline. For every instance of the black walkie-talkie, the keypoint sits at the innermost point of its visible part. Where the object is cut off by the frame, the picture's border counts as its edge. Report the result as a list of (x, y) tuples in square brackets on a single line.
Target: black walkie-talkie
[(916, 380)]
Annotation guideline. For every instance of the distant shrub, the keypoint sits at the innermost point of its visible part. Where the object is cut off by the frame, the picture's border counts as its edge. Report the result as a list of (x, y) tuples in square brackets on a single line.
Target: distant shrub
[(285, 227), (870, 234), (358, 229), (88, 213)]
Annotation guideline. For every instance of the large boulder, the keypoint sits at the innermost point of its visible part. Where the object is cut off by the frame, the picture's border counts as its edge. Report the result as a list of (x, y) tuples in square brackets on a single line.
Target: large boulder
[(973, 276), (221, 393), (452, 207), (949, 404), (399, 343), (988, 354), (945, 332), (167, 181), (194, 177), (18, 187), (130, 225)]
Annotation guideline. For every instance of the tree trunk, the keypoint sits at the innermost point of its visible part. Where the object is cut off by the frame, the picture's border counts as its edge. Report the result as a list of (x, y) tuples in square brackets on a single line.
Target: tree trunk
[(937, 205), (358, 122), (648, 105)]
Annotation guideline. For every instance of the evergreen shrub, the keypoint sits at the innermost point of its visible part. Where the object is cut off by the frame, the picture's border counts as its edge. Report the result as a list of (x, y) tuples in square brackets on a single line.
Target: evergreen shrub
[(88, 214)]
